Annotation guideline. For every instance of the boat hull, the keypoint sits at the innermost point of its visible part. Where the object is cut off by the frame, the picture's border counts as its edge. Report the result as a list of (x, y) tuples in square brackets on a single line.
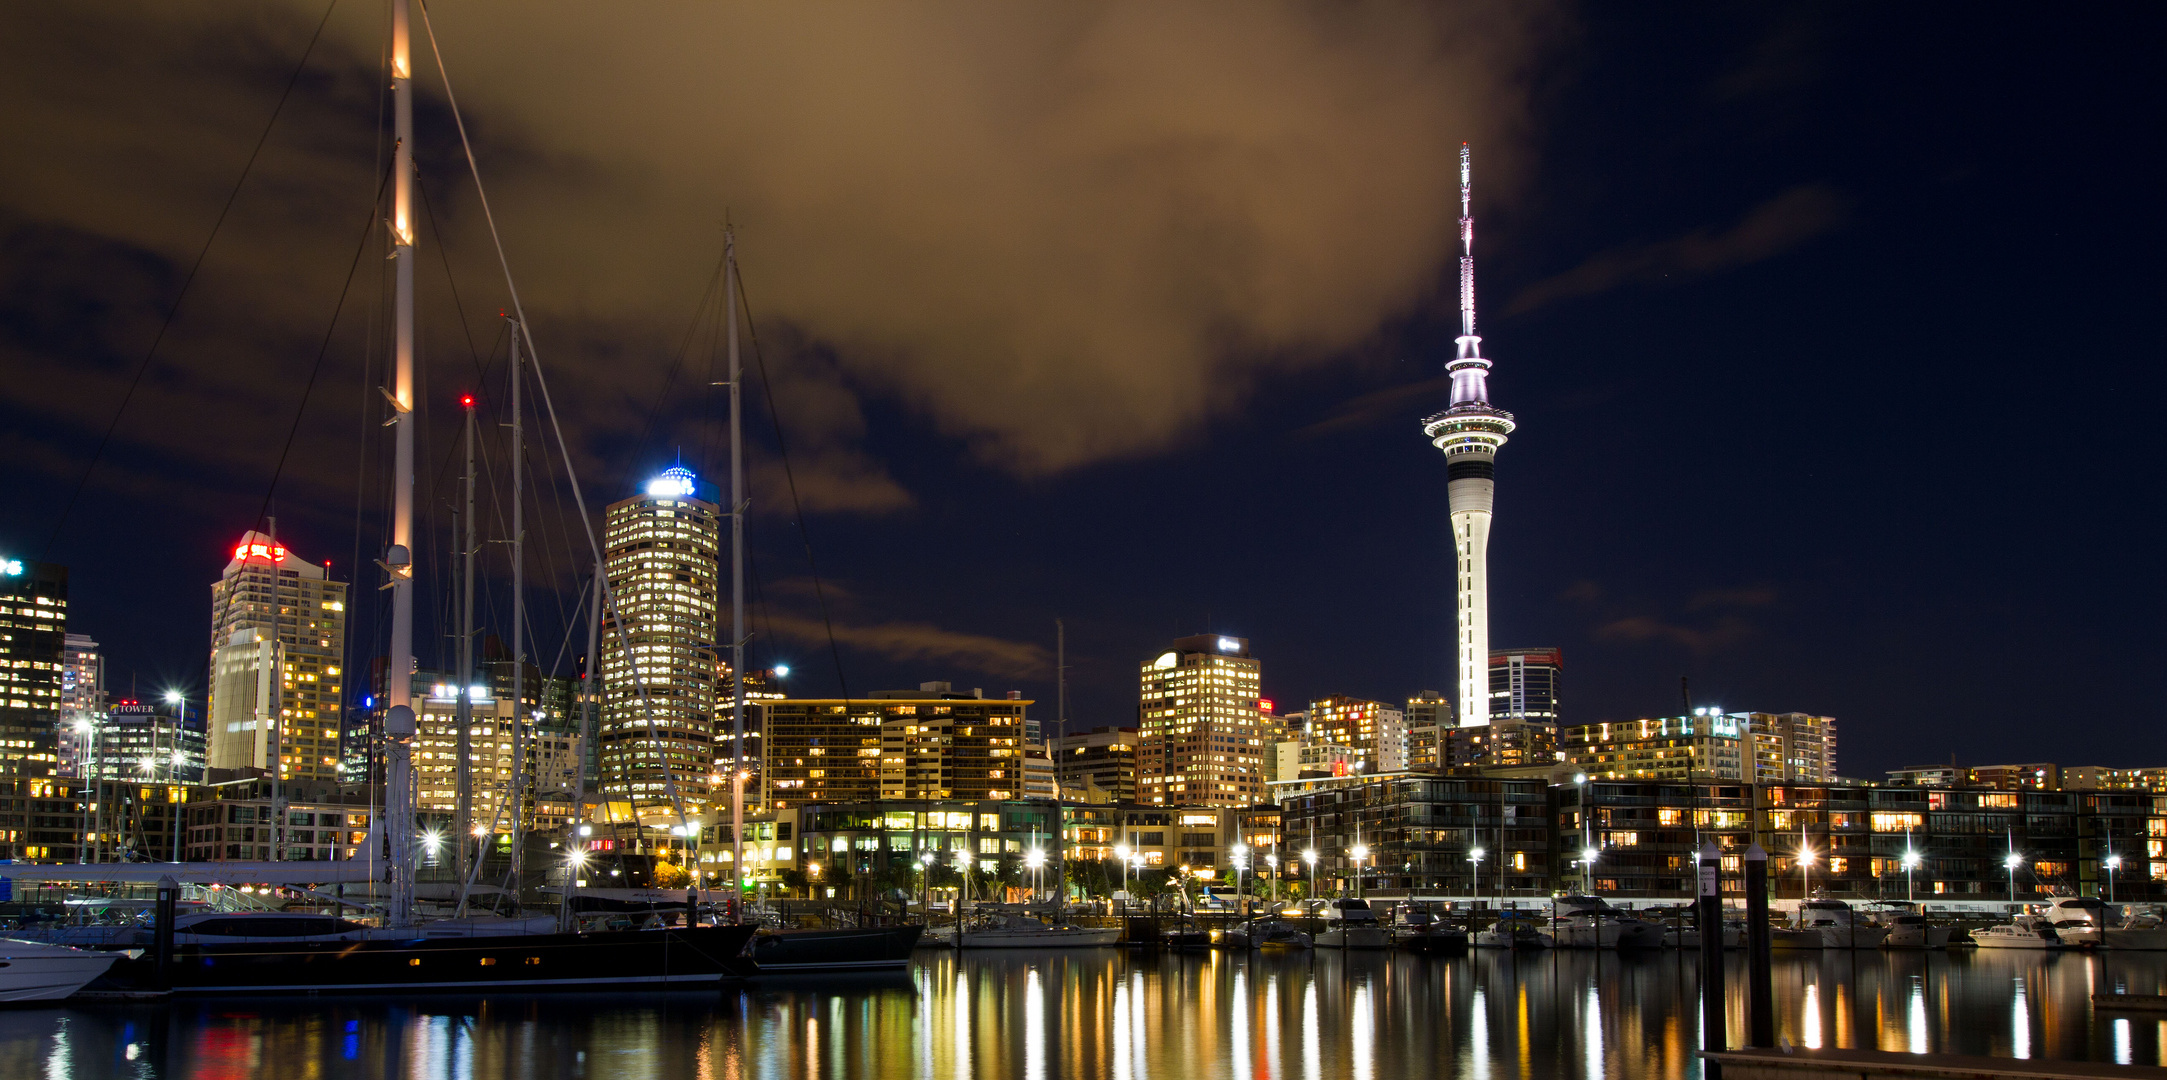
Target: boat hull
[(880, 948), (643, 959), (1354, 937), (1049, 938), (38, 972)]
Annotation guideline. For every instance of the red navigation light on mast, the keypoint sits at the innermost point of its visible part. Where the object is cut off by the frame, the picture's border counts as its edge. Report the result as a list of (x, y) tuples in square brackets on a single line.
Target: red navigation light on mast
[(466, 401)]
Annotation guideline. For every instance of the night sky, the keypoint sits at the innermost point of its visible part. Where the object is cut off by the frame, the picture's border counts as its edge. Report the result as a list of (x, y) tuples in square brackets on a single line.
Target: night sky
[(1832, 335)]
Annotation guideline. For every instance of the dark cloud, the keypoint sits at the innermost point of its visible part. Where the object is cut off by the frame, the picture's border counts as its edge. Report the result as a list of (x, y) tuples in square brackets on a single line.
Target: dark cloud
[(928, 646), (1062, 233), (1723, 632), (1776, 226)]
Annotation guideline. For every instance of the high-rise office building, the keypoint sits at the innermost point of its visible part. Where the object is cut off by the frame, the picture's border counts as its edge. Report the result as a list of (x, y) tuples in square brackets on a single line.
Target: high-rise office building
[(659, 716), (1524, 685), (1470, 432), (33, 665), (1375, 731), (1098, 765), (930, 743), (281, 698), (150, 741), (1202, 736), (82, 701)]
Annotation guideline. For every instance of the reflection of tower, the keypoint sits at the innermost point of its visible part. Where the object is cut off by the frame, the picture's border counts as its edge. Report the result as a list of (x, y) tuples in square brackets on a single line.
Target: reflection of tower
[(1469, 432)]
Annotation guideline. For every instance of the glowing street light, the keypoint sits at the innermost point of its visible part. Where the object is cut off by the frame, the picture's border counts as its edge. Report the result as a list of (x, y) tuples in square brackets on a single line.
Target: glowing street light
[(2012, 861), (1910, 864), (1474, 856), (1361, 854), (2114, 863)]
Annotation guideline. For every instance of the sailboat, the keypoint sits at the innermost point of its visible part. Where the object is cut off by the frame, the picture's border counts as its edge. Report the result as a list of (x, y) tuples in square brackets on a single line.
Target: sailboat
[(274, 952)]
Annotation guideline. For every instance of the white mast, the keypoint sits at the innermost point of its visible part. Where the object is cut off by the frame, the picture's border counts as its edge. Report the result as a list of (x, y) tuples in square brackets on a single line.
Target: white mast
[(463, 840), (519, 624), (737, 585), (398, 559)]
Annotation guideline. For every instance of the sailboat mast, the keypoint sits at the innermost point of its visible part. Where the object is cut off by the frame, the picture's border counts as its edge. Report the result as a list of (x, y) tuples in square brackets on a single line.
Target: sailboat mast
[(519, 623), (463, 837), (275, 714), (398, 556), (737, 582)]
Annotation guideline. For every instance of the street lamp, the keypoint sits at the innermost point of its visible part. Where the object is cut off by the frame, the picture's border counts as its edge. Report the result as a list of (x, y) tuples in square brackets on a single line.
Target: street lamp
[(1035, 860), (2114, 863), (1475, 857), (1309, 855), (2012, 861), (926, 859), (1273, 862), (1588, 855), (1241, 862), (1587, 837), (1121, 855), (1805, 868), (1360, 853), (1911, 863)]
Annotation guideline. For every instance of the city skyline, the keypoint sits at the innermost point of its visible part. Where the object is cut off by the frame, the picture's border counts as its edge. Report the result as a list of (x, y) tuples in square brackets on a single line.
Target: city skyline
[(1676, 295)]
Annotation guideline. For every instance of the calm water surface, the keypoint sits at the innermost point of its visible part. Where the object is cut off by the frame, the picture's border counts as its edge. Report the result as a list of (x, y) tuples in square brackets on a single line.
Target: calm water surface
[(1102, 1013)]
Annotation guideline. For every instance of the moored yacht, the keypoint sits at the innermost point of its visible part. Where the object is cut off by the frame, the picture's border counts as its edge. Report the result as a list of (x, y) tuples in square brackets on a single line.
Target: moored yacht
[(1015, 931), (1589, 922), (2022, 932), (1350, 923), (1831, 924), (1907, 927), (2080, 921), (1512, 930), (36, 971)]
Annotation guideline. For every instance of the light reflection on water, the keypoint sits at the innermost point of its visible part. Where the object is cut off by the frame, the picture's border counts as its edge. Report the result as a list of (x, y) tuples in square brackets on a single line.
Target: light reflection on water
[(1318, 1016)]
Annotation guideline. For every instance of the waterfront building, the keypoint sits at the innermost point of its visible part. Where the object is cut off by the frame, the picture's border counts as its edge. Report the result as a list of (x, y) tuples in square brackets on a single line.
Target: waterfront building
[(930, 743), (1374, 731), (1524, 685), (1038, 775), (282, 697), (1710, 744), (1098, 765), (1470, 431), (1420, 833), (1429, 716), (232, 820), (1664, 748), (656, 746), (1792, 747), (1499, 745), (1202, 736), (82, 702)]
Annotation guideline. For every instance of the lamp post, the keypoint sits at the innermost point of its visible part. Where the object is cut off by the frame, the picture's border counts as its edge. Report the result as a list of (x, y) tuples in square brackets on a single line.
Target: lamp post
[(2012, 861), (1309, 855), (2114, 863), (1587, 837), (1241, 863), (1475, 857), (1911, 863), (1121, 855), (1035, 860), (1805, 869), (1361, 854), (1272, 861)]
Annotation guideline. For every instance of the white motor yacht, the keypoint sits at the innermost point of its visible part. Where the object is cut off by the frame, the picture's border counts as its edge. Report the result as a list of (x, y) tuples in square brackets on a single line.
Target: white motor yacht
[(1511, 931), (2080, 921), (1589, 922), (1278, 934), (1010, 931), (2143, 929), (2022, 932), (36, 971), (1835, 925), (1349, 923), (1908, 929)]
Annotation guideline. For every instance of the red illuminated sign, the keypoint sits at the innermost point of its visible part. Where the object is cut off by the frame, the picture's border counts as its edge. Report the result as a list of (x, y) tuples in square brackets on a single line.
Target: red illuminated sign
[(1264, 704), (259, 550)]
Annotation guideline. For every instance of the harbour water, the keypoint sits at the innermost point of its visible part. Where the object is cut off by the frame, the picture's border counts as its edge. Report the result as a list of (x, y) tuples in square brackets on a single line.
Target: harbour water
[(1103, 1013)]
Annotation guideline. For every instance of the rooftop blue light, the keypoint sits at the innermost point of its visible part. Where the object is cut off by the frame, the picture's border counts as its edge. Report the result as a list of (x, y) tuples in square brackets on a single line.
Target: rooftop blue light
[(674, 483)]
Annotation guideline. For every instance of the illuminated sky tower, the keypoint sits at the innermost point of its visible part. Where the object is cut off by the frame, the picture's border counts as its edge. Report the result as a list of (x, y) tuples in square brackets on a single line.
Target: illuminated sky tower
[(1469, 432)]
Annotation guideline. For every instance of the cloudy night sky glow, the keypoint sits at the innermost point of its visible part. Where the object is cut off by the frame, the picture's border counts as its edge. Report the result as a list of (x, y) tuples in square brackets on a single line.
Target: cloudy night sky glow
[(1831, 334)]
